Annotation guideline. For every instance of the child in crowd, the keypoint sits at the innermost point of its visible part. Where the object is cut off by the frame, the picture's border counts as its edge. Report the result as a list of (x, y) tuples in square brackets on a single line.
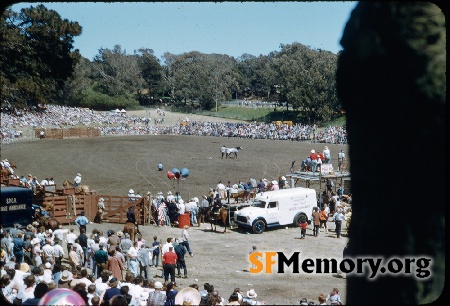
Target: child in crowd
[(303, 225)]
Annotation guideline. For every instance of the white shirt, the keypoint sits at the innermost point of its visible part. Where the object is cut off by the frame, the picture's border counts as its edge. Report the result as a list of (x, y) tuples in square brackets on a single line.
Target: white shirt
[(44, 182), (165, 247), (48, 250), (132, 252), (60, 233), (70, 238), (181, 208), (58, 250), (185, 235), (77, 179)]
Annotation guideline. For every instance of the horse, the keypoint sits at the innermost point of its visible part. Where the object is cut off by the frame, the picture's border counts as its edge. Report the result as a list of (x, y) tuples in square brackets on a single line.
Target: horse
[(241, 194), (48, 222), (228, 152), (80, 189), (221, 216), (131, 229)]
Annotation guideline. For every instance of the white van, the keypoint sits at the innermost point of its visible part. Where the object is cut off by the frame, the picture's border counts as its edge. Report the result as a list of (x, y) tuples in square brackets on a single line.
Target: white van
[(275, 208)]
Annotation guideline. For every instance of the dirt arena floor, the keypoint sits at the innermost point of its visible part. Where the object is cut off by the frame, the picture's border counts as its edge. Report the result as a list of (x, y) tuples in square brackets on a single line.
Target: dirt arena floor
[(113, 165)]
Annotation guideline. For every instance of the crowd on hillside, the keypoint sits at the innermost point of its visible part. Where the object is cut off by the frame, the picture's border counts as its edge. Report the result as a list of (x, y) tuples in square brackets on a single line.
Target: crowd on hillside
[(110, 123)]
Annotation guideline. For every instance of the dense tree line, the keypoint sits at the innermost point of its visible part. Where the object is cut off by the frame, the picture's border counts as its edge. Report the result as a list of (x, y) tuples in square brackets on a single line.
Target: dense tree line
[(47, 69)]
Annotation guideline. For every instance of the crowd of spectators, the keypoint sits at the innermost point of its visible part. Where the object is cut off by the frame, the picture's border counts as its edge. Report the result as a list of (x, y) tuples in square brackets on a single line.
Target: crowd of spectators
[(111, 123)]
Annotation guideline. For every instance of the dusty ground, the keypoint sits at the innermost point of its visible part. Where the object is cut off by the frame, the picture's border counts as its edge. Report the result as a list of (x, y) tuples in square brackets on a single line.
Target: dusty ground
[(112, 165)]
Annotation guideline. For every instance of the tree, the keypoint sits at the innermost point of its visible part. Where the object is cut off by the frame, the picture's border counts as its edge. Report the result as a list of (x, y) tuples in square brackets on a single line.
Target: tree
[(38, 55)]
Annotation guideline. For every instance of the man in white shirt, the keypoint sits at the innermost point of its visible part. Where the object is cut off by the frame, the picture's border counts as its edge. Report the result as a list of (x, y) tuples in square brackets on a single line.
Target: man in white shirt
[(77, 180), (44, 182), (59, 232), (58, 251), (181, 207), (48, 252), (164, 249), (221, 189), (70, 239)]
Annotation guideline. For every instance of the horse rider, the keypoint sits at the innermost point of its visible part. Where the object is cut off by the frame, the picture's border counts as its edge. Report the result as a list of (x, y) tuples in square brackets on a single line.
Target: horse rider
[(131, 217), (77, 180), (216, 206)]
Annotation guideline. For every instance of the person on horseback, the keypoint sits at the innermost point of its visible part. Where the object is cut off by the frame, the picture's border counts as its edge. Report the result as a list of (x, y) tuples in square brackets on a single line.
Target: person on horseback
[(216, 206), (131, 217), (77, 180)]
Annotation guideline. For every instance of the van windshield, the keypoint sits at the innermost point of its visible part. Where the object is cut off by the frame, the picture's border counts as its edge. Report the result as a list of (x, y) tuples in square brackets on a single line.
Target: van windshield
[(258, 203)]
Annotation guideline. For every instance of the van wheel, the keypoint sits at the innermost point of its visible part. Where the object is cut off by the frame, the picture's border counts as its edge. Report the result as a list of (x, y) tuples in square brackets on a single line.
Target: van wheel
[(258, 227), (298, 219)]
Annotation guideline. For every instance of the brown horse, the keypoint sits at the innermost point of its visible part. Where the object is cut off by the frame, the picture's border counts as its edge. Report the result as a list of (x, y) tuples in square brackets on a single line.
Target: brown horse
[(81, 189), (131, 229), (241, 194), (222, 216), (48, 223)]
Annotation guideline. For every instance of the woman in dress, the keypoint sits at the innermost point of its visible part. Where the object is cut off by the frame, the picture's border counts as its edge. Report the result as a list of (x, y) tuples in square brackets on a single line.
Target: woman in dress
[(115, 265)]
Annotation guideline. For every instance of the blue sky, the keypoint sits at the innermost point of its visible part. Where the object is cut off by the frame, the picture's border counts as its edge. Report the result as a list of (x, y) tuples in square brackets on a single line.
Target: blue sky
[(232, 28)]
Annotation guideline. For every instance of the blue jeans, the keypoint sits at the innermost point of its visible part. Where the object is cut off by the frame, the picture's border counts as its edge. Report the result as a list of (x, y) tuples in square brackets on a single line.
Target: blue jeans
[(155, 259), (186, 244), (313, 166)]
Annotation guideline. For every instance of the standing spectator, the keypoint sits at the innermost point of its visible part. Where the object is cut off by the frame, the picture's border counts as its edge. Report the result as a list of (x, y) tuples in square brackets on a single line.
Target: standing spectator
[(74, 259), (59, 232), (115, 265), (18, 248), (221, 189), (6, 245), (155, 258), (58, 252), (48, 252), (133, 259), (185, 240), (101, 259), (180, 250), (144, 260), (83, 241), (192, 209), (36, 251), (340, 191), (223, 150), (327, 155), (261, 186), (113, 240), (156, 298), (341, 159), (303, 225), (313, 164), (338, 217), (81, 221), (125, 245), (316, 220), (70, 240), (77, 180), (169, 261), (324, 218)]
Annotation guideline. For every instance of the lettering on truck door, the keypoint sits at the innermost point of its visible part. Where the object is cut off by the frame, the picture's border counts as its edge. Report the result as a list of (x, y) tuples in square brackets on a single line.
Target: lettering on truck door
[(272, 212)]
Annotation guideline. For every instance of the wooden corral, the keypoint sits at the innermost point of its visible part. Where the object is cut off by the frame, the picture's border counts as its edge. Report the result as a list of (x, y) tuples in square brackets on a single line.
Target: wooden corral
[(68, 133), (67, 207)]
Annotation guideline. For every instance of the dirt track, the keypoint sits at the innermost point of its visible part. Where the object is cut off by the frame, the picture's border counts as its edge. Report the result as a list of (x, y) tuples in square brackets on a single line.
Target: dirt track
[(112, 165)]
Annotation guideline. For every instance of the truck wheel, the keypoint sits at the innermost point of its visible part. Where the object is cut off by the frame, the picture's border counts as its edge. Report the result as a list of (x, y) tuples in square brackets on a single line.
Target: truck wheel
[(298, 219), (258, 227)]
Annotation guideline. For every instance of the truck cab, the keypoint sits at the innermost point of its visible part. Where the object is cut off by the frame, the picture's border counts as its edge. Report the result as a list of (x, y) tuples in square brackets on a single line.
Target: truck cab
[(276, 208)]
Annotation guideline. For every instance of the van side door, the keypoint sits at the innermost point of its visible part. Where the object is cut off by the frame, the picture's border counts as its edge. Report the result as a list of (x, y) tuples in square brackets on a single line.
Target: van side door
[(272, 212)]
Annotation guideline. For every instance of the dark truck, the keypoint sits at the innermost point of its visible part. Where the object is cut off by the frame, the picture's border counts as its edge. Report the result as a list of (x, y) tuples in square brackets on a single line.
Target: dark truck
[(17, 206)]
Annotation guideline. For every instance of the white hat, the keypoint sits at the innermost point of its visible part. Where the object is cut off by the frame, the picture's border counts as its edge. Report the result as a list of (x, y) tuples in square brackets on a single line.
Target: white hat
[(5, 160), (48, 265), (312, 151), (78, 174), (326, 147), (24, 267), (188, 296), (283, 178), (131, 191), (169, 192), (66, 275), (101, 200), (50, 231), (158, 285), (251, 293), (35, 240), (160, 193), (274, 182)]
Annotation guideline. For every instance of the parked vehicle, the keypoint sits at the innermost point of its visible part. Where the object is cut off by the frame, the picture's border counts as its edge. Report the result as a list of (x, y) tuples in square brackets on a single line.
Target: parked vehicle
[(16, 206), (275, 208)]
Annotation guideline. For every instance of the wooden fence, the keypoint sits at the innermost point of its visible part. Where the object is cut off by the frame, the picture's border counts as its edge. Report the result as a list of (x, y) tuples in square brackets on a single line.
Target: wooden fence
[(65, 208), (68, 133)]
